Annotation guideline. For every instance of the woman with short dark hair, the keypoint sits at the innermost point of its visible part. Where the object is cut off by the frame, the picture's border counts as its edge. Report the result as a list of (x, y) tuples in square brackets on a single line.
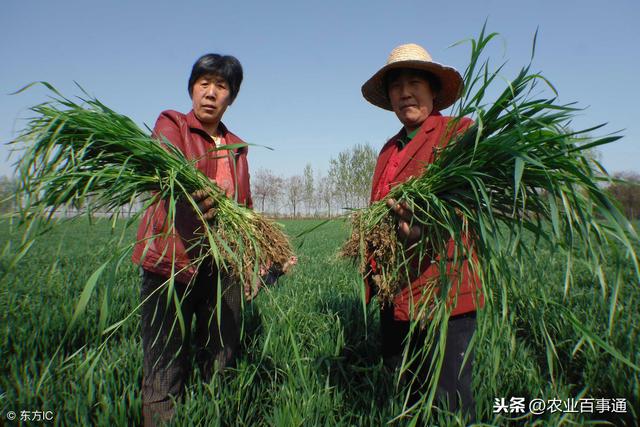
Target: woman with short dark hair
[(225, 66), (173, 287)]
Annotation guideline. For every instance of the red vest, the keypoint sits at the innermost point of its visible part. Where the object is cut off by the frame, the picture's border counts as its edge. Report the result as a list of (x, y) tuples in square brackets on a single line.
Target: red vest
[(395, 167), (161, 255)]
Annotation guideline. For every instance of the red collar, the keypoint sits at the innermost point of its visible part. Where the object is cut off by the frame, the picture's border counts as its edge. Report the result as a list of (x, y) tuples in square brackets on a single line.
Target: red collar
[(194, 123), (429, 123), (427, 126)]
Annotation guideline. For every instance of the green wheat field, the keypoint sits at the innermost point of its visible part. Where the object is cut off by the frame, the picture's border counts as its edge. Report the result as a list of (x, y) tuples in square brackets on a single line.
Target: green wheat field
[(310, 346)]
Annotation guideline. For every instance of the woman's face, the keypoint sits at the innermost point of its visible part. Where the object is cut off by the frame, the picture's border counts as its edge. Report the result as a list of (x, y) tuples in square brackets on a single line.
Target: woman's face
[(411, 98), (210, 96)]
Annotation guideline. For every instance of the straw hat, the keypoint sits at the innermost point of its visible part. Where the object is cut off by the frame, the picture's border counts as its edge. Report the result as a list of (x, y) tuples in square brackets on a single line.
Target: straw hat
[(415, 57)]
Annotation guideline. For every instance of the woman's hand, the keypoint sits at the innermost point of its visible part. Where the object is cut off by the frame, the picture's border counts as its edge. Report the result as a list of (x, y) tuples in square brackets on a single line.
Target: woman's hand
[(293, 260), (205, 204), (408, 232)]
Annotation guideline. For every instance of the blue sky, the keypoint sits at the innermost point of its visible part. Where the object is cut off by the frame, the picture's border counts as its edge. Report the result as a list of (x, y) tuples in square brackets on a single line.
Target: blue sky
[(304, 62)]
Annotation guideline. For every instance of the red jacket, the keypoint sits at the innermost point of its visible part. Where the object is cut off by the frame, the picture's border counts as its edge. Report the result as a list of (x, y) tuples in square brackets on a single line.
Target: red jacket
[(157, 254), (404, 164)]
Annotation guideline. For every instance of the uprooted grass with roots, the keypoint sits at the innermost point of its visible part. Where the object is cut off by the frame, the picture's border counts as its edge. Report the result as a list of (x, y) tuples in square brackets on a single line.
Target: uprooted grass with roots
[(88, 155)]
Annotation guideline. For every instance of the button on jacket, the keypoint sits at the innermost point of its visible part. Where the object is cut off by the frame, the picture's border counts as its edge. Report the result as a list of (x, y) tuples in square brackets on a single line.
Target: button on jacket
[(162, 255), (396, 165)]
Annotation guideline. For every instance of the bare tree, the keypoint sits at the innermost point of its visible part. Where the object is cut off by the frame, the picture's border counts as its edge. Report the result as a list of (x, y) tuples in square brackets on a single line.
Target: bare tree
[(308, 191), (260, 186), (276, 186), (318, 203), (294, 192), (326, 191), (267, 188)]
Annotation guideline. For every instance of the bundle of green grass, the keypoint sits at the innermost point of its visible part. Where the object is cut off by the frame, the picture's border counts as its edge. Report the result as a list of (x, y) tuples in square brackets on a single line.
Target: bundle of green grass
[(518, 168), (88, 155)]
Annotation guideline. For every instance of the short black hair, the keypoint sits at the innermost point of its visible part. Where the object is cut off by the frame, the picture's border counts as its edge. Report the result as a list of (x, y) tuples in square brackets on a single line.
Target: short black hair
[(394, 73), (226, 66)]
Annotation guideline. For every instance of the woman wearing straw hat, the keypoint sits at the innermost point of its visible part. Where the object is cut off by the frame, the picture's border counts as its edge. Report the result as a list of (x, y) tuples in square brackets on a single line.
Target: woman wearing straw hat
[(416, 88)]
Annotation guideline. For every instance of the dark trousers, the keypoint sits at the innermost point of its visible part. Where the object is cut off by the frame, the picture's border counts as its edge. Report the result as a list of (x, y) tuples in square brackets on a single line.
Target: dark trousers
[(166, 346), (454, 385)]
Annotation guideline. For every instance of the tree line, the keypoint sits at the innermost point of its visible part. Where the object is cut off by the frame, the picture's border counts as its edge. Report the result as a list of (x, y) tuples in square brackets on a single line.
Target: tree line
[(346, 185)]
